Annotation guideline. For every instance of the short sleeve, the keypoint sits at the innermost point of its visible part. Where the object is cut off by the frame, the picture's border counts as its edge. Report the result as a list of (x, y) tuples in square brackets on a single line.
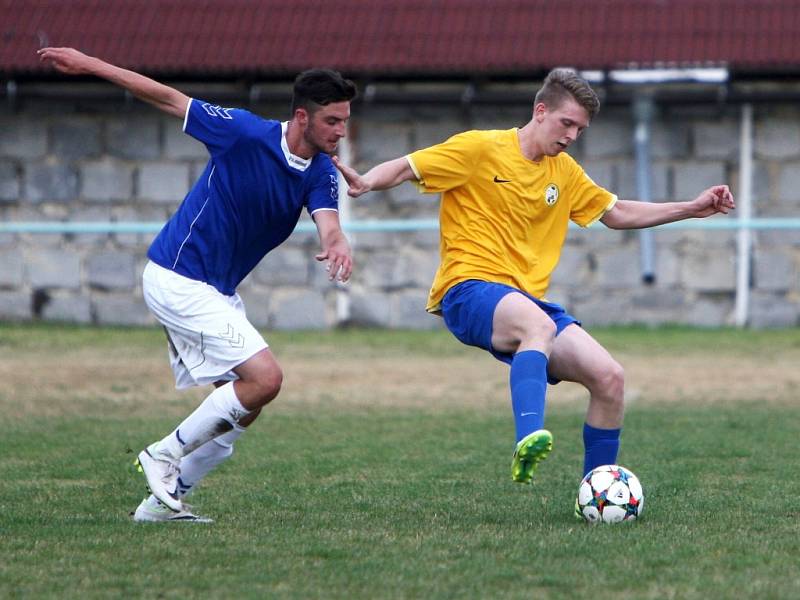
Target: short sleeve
[(324, 192), (588, 201), (217, 127), (447, 165)]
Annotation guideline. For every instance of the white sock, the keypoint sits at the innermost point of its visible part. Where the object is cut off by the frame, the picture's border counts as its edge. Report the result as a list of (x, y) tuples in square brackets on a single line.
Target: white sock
[(216, 415), (198, 464)]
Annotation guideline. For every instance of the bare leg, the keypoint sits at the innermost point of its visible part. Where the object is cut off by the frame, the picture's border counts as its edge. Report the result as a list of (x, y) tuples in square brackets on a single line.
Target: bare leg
[(578, 357)]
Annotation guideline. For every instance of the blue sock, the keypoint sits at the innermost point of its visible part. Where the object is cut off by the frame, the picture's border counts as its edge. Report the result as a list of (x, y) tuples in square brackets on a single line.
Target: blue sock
[(528, 381), (600, 447)]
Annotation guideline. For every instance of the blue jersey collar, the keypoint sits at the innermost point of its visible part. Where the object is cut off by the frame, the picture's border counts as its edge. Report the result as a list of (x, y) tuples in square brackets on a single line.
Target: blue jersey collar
[(294, 161)]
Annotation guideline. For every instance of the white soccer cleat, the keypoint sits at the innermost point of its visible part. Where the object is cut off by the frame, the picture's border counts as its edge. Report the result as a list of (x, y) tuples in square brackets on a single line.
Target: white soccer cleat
[(151, 510), (161, 472)]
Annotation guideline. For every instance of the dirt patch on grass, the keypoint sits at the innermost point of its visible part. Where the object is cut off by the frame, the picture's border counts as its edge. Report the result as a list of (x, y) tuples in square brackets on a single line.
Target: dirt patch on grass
[(87, 381)]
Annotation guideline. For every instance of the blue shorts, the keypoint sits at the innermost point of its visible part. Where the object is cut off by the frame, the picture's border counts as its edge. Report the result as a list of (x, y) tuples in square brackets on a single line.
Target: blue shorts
[(468, 311)]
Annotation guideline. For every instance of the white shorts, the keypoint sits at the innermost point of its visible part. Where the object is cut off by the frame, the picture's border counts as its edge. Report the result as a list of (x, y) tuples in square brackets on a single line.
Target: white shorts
[(208, 332)]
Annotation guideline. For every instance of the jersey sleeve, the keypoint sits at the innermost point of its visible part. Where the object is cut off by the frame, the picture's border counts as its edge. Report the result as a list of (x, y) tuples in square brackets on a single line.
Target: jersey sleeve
[(447, 165), (588, 201), (324, 191), (217, 127)]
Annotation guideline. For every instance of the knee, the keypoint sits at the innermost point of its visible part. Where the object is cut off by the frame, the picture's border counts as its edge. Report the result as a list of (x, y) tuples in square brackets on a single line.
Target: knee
[(548, 330), (271, 384), (268, 384), (611, 384), (542, 331)]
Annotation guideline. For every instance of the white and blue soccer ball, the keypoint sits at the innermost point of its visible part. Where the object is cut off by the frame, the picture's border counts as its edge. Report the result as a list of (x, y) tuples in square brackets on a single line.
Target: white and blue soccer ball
[(610, 494)]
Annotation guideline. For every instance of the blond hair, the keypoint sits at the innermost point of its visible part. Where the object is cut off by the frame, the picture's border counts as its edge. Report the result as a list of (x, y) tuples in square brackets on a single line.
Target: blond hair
[(562, 84)]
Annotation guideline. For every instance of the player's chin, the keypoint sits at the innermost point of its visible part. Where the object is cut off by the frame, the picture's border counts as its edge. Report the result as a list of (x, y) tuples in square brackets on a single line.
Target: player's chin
[(556, 150)]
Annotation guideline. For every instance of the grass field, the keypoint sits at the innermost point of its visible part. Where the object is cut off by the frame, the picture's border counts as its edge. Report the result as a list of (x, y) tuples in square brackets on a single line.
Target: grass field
[(382, 471)]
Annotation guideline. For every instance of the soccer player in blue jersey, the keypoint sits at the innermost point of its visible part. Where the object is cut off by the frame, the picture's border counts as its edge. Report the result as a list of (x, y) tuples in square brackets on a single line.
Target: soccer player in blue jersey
[(260, 176)]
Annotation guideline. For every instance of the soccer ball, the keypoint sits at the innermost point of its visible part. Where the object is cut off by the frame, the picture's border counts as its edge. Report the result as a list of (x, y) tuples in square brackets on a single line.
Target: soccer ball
[(610, 494)]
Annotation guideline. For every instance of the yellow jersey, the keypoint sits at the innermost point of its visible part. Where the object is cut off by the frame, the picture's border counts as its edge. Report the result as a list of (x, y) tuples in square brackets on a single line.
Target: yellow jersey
[(503, 218)]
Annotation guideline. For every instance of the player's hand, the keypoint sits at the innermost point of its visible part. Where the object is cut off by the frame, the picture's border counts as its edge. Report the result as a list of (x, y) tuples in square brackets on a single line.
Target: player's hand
[(67, 60), (716, 199), (356, 184), (339, 260)]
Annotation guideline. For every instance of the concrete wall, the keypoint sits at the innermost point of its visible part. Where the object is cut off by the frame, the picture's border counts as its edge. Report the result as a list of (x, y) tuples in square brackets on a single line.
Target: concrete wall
[(96, 161)]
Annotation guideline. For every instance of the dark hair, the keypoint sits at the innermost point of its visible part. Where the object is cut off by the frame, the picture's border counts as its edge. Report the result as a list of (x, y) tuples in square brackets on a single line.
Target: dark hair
[(561, 84), (320, 87)]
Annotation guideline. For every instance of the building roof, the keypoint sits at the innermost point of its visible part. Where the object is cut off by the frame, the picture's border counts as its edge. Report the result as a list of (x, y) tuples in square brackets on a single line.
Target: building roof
[(394, 38)]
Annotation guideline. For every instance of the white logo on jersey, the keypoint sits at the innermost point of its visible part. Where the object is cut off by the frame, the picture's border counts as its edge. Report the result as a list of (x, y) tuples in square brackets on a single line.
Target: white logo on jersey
[(334, 187), (551, 194), (217, 111)]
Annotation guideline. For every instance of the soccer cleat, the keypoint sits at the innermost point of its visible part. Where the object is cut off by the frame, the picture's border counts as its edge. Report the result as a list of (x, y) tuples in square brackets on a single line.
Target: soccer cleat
[(578, 513), (531, 449), (151, 510), (161, 472)]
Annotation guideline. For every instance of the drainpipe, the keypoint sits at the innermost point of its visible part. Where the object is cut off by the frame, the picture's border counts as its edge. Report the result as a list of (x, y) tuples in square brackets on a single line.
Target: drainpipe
[(643, 110), (744, 236)]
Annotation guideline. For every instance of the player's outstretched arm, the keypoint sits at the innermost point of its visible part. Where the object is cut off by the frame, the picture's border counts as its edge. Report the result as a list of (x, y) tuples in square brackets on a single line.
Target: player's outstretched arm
[(632, 214), (335, 247), (381, 177), (73, 62)]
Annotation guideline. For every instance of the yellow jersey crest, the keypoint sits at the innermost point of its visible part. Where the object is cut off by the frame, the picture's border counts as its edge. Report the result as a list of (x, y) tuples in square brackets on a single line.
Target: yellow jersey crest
[(551, 194)]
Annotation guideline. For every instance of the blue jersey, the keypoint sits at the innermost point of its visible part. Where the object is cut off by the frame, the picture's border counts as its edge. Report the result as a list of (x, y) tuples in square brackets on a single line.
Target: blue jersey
[(247, 201)]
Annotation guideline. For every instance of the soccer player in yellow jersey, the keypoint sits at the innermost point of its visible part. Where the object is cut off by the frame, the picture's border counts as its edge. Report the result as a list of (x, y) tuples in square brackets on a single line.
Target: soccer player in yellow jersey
[(506, 200)]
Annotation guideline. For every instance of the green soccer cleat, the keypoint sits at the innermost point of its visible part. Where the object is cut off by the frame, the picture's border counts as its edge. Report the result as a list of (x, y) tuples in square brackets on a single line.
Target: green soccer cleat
[(531, 449), (578, 514)]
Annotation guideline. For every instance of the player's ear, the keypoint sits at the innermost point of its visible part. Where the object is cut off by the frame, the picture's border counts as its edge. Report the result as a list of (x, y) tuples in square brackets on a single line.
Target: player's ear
[(301, 116), (539, 110)]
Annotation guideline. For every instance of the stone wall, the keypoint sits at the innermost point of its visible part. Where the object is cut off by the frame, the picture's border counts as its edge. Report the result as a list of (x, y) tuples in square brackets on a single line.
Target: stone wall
[(108, 161)]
